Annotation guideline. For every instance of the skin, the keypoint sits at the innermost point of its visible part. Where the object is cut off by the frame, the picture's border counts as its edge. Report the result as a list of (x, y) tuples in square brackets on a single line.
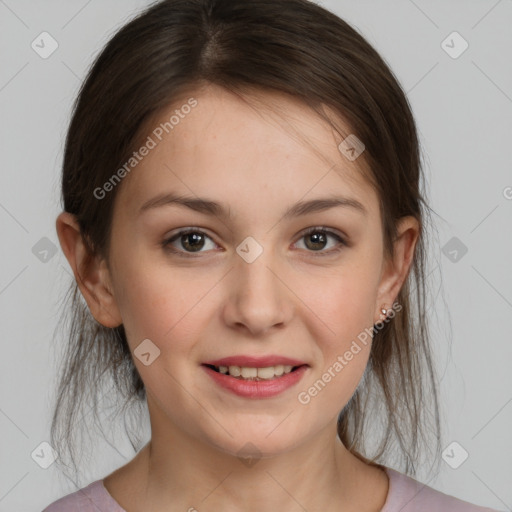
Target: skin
[(289, 301)]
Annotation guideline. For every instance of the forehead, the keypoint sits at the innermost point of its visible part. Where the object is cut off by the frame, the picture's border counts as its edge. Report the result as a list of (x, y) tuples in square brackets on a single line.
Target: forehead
[(262, 146)]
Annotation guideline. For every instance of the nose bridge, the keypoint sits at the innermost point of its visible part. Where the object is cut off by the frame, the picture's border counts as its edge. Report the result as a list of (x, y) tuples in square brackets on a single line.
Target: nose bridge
[(253, 268), (260, 298)]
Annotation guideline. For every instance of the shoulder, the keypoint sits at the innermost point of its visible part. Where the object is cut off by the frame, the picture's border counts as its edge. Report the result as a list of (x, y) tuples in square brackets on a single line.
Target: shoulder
[(406, 494), (92, 498)]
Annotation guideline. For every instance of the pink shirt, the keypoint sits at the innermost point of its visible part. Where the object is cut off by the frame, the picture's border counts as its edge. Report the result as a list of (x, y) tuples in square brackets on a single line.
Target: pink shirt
[(404, 495)]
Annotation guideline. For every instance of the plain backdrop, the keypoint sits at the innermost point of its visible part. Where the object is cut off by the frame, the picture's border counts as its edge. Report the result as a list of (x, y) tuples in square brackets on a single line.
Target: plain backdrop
[(463, 107)]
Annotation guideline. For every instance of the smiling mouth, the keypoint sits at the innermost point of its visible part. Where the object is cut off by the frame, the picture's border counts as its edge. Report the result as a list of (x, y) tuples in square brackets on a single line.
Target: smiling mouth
[(255, 374)]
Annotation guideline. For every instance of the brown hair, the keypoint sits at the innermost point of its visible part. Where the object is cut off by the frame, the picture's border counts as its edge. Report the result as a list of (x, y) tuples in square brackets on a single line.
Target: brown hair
[(294, 47)]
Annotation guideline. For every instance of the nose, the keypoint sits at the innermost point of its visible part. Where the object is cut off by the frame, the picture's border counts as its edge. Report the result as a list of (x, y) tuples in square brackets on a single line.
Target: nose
[(260, 299)]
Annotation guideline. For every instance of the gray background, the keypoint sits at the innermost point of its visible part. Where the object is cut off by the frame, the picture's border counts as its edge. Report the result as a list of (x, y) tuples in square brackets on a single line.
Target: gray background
[(463, 107)]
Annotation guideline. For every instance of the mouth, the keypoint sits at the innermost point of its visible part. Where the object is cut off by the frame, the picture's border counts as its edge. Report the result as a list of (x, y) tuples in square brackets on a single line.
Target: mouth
[(247, 373), (255, 382)]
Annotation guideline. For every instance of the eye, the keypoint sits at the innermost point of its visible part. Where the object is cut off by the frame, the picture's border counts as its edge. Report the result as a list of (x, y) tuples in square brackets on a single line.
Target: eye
[(317, 237), (192, 240)]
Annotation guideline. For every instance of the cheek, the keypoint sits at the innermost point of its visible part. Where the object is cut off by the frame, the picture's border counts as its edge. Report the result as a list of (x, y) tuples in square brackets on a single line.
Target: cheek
[(343, 348), (345, 305), (162, 306)]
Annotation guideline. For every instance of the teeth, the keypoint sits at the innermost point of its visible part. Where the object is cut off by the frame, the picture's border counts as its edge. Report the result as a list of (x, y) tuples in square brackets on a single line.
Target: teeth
[(253, 373), (264, 373), (248, 373)]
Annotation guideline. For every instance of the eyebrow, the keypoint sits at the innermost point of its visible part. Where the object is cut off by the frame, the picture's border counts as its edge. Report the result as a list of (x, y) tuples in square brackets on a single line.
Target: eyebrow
[(209, 207)]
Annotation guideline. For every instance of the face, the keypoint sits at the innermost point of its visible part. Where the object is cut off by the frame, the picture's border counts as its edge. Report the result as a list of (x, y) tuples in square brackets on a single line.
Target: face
[(248, 280)]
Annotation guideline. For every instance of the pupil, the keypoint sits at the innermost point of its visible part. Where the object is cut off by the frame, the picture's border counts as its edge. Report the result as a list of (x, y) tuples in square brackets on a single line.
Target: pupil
[(318, 238), (197, 239)]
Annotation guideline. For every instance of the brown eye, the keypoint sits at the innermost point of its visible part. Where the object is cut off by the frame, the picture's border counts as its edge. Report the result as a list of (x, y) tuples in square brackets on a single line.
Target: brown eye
[(317, 238), (189, 240)]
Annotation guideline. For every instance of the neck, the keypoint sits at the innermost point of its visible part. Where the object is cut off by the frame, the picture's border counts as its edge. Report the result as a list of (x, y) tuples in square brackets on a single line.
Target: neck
[(194, 475)]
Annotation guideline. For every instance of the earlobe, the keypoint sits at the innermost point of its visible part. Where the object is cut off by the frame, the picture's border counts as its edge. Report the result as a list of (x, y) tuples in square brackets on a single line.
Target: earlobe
[(91, 272), (395, 270)]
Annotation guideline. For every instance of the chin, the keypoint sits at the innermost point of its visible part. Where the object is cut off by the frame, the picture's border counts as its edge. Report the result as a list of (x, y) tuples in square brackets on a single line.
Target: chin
[(255, 443)]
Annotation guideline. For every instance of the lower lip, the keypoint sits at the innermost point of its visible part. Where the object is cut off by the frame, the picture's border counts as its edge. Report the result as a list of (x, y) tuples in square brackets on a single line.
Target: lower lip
[(256, 388)]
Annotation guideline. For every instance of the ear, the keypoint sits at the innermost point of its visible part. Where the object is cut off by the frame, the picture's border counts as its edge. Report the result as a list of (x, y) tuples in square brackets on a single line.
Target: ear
[(91, 273), (394, 271)]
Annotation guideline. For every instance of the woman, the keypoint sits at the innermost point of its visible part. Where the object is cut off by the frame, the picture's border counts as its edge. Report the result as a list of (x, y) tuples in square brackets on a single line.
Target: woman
[(244, 218)]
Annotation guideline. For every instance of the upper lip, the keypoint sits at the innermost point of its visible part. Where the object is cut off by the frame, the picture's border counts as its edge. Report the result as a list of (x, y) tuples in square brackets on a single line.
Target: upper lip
[(255, 362)]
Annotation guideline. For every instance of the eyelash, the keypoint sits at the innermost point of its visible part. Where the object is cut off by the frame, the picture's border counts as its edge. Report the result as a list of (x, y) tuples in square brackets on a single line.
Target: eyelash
[(166, 243)]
